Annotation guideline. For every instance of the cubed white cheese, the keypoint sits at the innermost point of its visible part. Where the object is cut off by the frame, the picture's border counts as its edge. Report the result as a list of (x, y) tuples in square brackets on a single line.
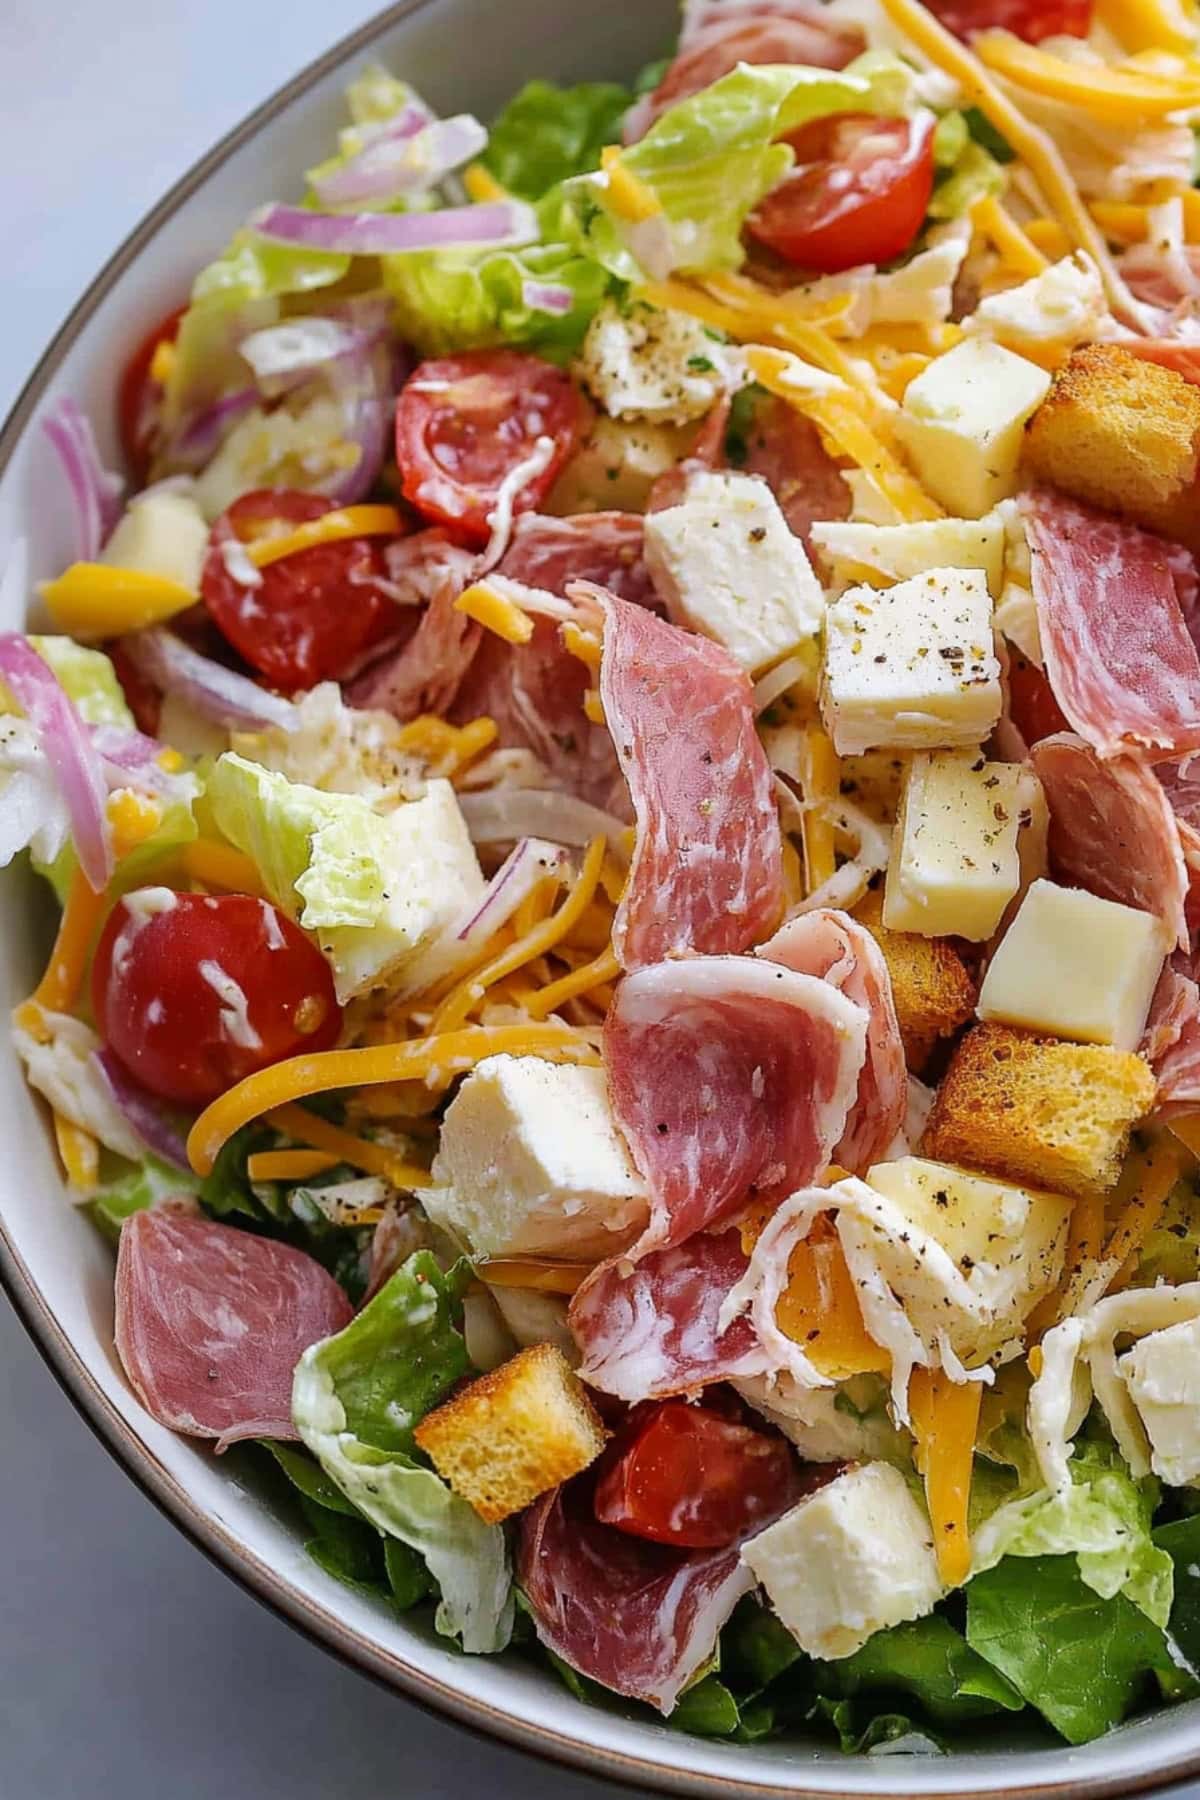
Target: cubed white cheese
[(963, 422), (911, 667), (954, 864), (161, 534), (854, 1558), (434, 879), (1016, 618), (727, 565), (1162, 1373), (1076, 967), (1054, 311), (531, 1163), (617, 465), (883, 554), (1001, 1248), (646, 362)]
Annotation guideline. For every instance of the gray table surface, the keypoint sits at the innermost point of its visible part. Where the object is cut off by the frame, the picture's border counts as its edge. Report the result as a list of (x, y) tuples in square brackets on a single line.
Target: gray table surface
[(128, 1665)]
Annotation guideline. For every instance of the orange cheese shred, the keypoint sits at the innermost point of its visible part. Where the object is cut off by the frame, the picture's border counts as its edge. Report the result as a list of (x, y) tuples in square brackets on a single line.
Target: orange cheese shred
[(80, 921), (818, 1309), (528, 1272), (289, 1165), (332, 527), (360, 1153), (945, 1417), (602, 969)]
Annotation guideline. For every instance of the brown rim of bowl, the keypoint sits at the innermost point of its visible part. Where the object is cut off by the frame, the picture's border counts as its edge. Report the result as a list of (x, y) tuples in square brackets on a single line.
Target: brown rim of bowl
[(234, 1557)]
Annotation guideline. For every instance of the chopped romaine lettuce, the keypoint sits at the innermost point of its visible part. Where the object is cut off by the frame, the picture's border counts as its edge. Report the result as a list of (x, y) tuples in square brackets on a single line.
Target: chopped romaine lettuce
[(973, 176), (358, 1397), (451, 301), (138, 1186), (927, 1661), (546, 134), (710, 159)]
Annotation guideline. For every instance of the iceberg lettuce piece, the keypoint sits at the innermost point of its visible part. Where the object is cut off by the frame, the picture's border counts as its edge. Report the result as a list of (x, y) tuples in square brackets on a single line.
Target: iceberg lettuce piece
[(89, 680), (1104, 1518), (547, 134), (450, 301), (711, 159), (356, 1400)]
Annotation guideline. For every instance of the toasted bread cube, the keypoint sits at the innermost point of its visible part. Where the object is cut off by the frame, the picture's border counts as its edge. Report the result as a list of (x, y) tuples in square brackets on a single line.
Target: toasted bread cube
[(1032, 1109), (1122, 434), (514, 1434), (932, 987)]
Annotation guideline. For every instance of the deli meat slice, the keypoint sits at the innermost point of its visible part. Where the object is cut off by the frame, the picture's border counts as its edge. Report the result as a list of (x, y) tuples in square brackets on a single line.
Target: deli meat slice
[(211, 1322), (785, 448), (1118, 654), (1172, 1042), (838, 949), (722, 33), (732, 1080), (654, 1331), (535, 691), (707, 870), (1112, 829), (641, 1618), (425, 674)]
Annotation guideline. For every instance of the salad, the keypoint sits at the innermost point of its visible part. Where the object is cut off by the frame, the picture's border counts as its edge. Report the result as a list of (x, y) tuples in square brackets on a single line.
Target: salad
[(616, 772)]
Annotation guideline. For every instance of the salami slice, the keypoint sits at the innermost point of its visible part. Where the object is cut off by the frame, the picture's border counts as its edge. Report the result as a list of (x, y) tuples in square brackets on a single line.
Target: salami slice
[(838, 949), (732, 1079), (641, 1618), (1112, 830), (1118, 654), (707, 871), (785, 448), (211, 1322), (425, 673), (1171, 1042)]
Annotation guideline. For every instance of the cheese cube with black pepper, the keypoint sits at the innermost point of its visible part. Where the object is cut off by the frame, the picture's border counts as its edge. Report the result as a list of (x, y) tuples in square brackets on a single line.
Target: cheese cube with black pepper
[(911, 667), (955, 864)]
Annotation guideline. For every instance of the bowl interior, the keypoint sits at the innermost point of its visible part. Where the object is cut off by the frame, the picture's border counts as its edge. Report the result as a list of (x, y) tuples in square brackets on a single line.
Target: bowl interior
[(57, 1267)]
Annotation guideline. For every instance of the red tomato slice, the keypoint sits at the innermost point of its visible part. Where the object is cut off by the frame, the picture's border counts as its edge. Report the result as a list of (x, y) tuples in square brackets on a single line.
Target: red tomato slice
[(858, 193), (689, 1476), (197, 996), (314, 614), (1032, 20), (463, 423), (139, 396)]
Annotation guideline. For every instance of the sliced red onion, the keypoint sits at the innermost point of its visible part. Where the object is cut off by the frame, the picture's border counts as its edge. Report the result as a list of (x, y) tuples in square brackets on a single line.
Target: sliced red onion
[(402, 164), (96, 490), (68, 748), (491, 226), (211, 690), (547, 297), (281, 353), (199, 439), (367, 389), (142, 1111), (512, 883), (502, 815)]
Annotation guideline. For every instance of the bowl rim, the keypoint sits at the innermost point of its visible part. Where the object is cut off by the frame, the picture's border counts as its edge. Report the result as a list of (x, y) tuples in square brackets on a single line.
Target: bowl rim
[(232, 1554)]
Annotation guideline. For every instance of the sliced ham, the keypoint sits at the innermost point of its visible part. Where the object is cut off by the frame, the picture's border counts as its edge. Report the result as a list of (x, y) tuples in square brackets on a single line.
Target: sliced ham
[(426, 672), (1181, 784), (1171, 1043), (653, 1331), (1169, 353), (732, 1079), (707, 871), (211, 1322), (1118, 654), (640, 1618), (726, 33), (1112, 829), (836, 948), (535, 691)]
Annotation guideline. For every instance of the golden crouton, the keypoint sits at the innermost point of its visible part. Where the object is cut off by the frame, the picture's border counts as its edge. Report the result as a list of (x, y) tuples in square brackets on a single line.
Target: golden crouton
[(1035, 1110), (1124, 435), (513, 1434), (931, 985)]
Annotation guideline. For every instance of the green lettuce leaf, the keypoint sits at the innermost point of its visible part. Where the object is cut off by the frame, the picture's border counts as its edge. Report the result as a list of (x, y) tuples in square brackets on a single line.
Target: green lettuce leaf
[(710, 159), (972, 177), (1171, 1251), (1181, 1542), (927, 1661), (135, 1188), (1104, 1518), (1084, 1662), (861, 1730), (357, 1399), (455, 301), (88, 678), (547, 134)]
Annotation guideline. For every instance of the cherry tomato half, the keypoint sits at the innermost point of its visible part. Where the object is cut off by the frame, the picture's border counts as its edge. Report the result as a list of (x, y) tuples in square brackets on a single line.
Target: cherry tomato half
[(313, 615), (464, 422), (1032, 20), (858, 193), (689, 1476), (139, 396), (195, 993)]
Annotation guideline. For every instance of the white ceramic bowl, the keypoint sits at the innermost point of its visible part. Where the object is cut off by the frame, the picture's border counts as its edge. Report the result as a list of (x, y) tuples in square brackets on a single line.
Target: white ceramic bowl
[(462, 54)]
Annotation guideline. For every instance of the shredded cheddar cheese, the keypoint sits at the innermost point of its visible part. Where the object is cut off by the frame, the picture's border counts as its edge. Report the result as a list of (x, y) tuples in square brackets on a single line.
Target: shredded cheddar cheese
[(821, 772), (1114, 95), (945, 1417), (528, 1272), (1018, 250), (91, 600), (602, 969), (80, 1155), (631, 198), (1142, 1212), (289, 1165), (447, 749), (593, 706), (132, 818), (482, 185), (495, 612), (1150, 24), (584, 645), (360, 1153), (220, 866), (428, 1059), (331, 528), (81, 919)]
